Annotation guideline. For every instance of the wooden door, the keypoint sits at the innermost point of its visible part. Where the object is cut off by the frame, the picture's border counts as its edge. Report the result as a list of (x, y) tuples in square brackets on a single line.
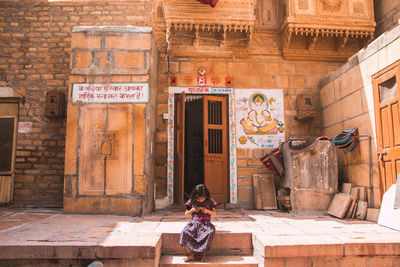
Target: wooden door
[(386, 86), (179, 155), (105, 153), (8, 132), (216, 147)]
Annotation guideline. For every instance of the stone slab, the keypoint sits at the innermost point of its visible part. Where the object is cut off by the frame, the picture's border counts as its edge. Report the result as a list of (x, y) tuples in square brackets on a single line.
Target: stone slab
[(339, 205), (244, 261), (389, 216), (372, 214)]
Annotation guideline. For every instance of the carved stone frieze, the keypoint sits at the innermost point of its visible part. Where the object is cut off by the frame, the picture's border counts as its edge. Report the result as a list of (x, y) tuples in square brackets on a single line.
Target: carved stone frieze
[(332, 4), (328, 25)]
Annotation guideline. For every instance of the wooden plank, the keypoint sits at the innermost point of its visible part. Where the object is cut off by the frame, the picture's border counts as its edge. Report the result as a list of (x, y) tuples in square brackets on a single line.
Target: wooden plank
[(355, 192), (268, 195), (361, 212), (346, 188), (353, 214), (257, 191), (372, 215), (5, 189), (351, 207), (339, 205), (362, 193)]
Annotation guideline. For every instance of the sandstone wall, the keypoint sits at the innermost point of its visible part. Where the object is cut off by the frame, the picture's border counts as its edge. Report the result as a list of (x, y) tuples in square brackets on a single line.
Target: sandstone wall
[(263, 72), (35, 44), (387, 15), (346, 98)]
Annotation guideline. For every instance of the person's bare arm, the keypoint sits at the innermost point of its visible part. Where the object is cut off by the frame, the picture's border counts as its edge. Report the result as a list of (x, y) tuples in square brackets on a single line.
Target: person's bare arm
[(189, 212), (212, 212)]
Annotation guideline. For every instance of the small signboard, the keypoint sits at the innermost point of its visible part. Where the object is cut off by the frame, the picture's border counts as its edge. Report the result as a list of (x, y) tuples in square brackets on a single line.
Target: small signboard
[(24, 127), (110, 93)]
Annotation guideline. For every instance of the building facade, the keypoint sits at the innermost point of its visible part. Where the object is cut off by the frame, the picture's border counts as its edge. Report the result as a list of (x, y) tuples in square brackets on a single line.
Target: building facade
[(218, 90)]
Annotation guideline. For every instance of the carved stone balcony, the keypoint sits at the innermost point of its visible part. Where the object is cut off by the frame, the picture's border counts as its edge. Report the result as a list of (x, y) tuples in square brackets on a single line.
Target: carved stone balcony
[(189, 22), (326, 29)]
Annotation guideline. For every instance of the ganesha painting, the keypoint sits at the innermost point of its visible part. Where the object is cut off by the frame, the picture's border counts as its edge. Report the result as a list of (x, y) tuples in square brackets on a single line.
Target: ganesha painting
[(259, 117)]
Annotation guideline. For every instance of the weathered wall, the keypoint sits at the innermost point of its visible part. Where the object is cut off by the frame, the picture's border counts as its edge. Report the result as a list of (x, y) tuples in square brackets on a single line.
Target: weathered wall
[(263, 72), (346, 99), (387, 15), (35, 41)]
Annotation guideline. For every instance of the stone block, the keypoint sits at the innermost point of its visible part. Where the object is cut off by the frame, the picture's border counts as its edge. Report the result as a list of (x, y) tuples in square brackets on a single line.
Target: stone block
[(273, 68), (103, 205), (238, 67), (81, 40), (268, 81), (258, 67), (348, 83), (281, 81), (83, 59), (241, 80), (132, 41), (246, 171), (353, 262), (327, 95), (129, 60), (296, 81), (101, 58)]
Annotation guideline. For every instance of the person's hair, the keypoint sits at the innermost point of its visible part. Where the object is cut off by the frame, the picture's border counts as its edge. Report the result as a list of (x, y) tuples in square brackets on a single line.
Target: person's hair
[(199, 190)]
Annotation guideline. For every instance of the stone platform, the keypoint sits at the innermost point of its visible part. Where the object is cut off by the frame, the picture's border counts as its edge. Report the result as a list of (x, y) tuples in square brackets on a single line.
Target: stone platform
[(45, 237)]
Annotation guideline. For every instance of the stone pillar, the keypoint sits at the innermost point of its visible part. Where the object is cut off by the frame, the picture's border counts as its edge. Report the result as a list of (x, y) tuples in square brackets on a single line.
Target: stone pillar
[(111, 121)]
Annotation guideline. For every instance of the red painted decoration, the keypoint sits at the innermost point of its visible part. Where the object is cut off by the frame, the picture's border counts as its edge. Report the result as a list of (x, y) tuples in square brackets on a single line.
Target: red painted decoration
[(209, 2), (173, 80), (228, 81)]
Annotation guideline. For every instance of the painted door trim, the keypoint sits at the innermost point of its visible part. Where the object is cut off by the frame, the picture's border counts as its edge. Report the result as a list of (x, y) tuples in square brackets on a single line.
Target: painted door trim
[(231, 135)]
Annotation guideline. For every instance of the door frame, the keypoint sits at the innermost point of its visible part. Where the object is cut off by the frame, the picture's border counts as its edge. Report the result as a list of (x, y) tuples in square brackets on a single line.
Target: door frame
[(231, 135), (387, 73)]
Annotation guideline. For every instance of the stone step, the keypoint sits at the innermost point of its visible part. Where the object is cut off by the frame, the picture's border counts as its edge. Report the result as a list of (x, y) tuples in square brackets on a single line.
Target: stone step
[(214, 261), (224, 243)]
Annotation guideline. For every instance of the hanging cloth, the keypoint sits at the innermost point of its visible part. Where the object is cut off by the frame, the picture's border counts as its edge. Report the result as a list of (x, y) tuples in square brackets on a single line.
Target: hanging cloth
[(212, 3), (346, 140)]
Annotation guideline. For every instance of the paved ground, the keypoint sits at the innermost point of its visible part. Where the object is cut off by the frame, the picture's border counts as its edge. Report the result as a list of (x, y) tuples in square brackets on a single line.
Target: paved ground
[(19, 226), (279, 233)]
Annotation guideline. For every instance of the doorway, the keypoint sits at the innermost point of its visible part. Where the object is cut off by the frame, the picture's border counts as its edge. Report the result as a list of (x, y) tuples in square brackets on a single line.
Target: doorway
[(201, 146), (8, 133), (386, 88)]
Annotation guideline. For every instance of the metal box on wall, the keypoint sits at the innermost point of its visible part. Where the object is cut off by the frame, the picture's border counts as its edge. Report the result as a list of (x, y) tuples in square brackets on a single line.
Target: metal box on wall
[(55, 105), (305, 107)]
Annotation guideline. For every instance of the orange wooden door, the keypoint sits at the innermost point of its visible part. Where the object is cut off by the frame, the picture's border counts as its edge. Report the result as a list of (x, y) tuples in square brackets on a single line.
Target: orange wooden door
[(179, 155), (386, 86), (216, 147)]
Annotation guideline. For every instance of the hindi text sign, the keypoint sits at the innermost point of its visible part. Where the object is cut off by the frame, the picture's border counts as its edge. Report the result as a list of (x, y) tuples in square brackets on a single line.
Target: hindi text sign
[(110, 93)]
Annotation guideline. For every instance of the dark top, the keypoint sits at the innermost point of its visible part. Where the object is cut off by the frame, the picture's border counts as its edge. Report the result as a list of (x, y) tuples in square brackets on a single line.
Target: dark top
[(208, 204)]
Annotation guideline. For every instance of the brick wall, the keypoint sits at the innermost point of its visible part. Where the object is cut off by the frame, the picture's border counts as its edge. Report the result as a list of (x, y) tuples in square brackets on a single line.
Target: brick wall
[(35, 41), (347, 101), (294, 77)]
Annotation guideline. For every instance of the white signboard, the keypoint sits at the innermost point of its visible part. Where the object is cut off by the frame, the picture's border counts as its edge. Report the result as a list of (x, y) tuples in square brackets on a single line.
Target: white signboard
[(110, 93), (259, 118), (24, 127)]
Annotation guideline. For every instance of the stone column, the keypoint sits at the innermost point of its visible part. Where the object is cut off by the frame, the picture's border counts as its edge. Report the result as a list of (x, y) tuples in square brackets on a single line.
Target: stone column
[(111, 121)]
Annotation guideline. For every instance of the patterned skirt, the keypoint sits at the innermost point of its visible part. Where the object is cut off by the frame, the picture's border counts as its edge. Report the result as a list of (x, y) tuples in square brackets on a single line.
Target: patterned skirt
[(197, 235)]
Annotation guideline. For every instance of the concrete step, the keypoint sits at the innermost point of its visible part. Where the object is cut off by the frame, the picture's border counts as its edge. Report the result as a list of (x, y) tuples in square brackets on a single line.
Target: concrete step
[(224, 243), (214, 261)]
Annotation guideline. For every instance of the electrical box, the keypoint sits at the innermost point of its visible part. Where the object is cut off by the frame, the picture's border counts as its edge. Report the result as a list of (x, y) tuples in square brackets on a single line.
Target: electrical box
[(55, 105), (305, 107)]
